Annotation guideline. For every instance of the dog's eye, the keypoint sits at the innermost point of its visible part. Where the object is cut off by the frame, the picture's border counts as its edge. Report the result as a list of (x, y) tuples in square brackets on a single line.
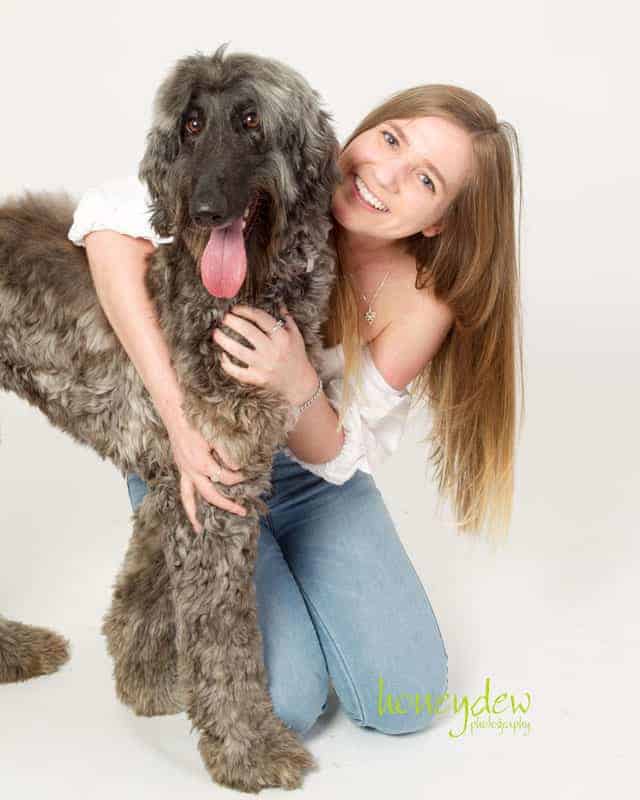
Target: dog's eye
[(193, 125), (193, 122), (250, 119)]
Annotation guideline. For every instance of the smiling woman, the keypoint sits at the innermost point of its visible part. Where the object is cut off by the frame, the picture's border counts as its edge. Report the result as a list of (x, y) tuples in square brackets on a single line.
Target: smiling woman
[(428, 196)]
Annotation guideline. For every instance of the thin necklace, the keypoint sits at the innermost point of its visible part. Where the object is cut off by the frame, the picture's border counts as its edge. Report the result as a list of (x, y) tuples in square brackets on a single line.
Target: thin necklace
[(370, 314)]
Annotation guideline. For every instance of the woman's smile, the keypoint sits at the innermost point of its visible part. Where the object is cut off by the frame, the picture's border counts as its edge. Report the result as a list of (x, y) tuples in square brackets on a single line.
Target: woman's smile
[(367, 197)]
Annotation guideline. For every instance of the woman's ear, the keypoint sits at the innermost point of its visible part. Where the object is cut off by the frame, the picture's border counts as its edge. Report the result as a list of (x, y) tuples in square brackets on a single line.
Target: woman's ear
[(433, 230)]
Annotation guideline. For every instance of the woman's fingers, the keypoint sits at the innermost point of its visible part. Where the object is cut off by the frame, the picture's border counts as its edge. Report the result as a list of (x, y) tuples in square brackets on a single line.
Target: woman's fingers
[(221, 474), (211, 495), (262, 319), (187, 493), (194, 457), (224, 456), (240, 351), (251, 332)]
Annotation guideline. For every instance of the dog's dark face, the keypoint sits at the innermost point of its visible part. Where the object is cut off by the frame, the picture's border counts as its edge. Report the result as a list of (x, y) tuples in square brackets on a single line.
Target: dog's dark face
[(223, 148), (239, 157)]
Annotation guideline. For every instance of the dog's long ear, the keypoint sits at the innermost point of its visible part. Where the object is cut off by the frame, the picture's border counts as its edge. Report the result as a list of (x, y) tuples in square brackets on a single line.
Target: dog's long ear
[(163, 146), (320, 151), (155, 170), (314, 150)]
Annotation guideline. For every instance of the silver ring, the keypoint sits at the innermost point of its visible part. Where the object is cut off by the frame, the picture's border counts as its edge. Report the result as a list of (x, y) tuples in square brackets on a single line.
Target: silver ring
[(279, 324)]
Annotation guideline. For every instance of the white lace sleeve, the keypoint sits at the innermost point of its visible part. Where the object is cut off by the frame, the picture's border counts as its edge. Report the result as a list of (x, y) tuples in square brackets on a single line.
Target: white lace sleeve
[(373, 428), (119, 204)]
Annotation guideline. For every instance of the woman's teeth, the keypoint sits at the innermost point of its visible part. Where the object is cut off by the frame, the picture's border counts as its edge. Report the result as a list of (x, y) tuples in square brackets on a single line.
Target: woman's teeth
[(367, 196)]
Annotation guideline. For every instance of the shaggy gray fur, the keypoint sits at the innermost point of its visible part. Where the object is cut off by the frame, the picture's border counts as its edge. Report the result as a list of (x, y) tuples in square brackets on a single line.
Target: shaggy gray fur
[(182, 628)]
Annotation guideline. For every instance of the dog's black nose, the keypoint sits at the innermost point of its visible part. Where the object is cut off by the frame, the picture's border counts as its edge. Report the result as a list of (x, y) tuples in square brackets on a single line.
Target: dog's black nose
[(206, 214)]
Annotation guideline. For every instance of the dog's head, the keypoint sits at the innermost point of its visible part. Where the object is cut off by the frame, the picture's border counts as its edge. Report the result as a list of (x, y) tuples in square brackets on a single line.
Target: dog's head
[(240, 159)]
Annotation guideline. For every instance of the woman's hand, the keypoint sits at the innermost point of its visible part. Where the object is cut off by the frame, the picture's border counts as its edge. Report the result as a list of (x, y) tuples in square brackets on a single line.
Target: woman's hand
[(192, 454), (279, 360)]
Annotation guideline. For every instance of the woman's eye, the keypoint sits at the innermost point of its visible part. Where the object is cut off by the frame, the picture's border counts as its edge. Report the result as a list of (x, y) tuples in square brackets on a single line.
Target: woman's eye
[(386, 133), (430, 182), (433, 188)]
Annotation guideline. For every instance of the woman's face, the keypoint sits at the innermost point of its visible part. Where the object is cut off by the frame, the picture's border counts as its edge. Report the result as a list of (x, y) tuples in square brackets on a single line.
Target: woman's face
[(399, 161)]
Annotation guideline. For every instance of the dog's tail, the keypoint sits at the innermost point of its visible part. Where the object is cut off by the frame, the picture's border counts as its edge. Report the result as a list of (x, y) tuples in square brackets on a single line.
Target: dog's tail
[(27, 651)]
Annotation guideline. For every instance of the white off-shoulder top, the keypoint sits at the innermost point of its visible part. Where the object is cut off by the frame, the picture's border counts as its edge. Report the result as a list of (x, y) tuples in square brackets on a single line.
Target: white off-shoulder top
[(373, 424)]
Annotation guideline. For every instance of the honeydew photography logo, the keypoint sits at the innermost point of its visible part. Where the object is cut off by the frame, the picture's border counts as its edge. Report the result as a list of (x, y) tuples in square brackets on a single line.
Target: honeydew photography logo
[(503, 712)]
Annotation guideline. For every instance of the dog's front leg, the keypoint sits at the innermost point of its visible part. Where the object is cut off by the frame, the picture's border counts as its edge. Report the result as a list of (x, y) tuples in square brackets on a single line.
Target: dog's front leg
[(139, 626), (220, 652)]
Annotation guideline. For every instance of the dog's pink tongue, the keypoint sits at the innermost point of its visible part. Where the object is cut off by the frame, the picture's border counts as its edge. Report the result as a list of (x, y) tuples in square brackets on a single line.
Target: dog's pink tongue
[(223, 265)]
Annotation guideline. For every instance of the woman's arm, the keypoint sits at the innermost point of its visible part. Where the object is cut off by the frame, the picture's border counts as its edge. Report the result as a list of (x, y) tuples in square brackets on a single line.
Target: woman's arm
[(118, 264), (371, 432), (314, 438)]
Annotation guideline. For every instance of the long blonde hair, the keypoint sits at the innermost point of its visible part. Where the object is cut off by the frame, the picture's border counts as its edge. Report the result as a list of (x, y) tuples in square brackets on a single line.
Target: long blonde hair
[(473, 266)]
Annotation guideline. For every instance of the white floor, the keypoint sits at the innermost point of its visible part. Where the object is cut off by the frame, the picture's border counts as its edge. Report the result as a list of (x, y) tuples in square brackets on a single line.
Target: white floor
[(553, 613)]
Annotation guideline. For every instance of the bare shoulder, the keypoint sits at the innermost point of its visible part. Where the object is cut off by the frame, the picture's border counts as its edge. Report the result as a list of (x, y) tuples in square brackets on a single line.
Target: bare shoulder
[(422, 301), (412, 335)]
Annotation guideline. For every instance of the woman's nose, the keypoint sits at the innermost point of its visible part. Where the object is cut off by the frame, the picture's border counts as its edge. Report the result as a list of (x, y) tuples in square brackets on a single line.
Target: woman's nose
[(387, 178), (388, 173)]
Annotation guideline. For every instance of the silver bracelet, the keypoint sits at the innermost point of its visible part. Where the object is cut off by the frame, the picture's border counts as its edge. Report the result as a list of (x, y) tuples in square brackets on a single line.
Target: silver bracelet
[(297, 410)]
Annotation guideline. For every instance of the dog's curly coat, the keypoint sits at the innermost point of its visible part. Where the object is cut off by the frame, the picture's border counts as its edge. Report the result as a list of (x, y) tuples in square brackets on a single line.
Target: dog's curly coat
[(182, 628)]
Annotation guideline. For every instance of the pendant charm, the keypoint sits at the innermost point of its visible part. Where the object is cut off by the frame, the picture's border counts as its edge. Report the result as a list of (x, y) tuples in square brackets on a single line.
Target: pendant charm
[(370, 315)]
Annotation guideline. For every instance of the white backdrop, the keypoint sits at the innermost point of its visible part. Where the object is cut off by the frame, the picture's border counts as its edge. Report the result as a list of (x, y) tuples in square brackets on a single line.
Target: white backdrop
[(554, 612)]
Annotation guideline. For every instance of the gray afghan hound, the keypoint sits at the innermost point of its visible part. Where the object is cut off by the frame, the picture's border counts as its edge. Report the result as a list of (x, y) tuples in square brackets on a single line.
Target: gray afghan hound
[(241, 164)]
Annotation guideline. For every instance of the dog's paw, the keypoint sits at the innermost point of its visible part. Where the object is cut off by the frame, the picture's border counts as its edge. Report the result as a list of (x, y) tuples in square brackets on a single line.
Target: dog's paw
[(278, 760), (156, 704), (148, 691)]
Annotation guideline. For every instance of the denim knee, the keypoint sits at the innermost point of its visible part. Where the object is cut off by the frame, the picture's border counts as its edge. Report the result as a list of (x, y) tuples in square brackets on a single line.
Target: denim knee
[(300, 709), (403, 704)]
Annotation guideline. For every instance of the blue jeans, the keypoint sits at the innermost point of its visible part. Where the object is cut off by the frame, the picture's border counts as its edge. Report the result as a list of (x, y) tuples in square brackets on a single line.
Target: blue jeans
[(338, 598)]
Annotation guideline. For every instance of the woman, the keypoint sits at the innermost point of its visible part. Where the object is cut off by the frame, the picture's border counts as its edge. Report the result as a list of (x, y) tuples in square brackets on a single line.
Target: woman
[(425, 305)]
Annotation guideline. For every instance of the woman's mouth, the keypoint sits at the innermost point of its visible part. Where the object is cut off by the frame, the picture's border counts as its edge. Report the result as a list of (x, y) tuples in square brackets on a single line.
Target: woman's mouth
[(366, 197)]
